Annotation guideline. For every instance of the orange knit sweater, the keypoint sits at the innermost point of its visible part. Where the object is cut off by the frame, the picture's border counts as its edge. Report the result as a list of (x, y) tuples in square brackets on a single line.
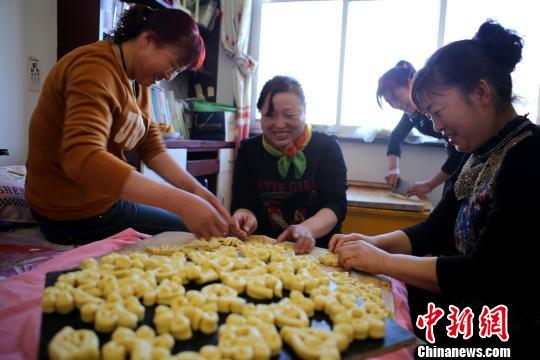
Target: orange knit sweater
[(85, 119)]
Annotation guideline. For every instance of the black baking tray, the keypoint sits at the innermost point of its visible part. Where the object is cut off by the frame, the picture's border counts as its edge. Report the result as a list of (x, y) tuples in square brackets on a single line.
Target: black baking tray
[(395, 337)]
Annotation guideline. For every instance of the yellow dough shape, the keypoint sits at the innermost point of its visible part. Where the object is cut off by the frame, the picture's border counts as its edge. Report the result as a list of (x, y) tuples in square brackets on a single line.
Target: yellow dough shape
[(89, 263), (207, 275), (167, 291), (109, 316), (115, 312), (58, 299), (300, 281), (320, 296), (413, 198), (267, 330), (298, 299), (312, 343), (280, 267), (235, 280), (264, 287), (69, 344), (187, 355), (357, 318), (302, 261), (166, 250), (223, 263), (140, 344), (226, 297), (289, 314), (172, 322), (197, 244), (253, 251), (260, 311), (230, 241), (210, 352), (201, 313), (329, 259), (242, 342), (263, 239)]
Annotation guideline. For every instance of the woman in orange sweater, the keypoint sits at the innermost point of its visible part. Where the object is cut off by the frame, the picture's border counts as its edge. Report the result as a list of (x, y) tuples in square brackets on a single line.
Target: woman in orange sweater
[(95, 106)]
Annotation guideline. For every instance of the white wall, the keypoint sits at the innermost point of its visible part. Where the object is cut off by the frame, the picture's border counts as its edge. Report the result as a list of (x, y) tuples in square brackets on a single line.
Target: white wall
[(368, 162), (27, 28)]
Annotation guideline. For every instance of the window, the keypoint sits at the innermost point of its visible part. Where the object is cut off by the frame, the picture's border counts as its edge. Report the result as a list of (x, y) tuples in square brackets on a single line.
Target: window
[(379, 34), (338, 49), (464, 17), (303, 39)]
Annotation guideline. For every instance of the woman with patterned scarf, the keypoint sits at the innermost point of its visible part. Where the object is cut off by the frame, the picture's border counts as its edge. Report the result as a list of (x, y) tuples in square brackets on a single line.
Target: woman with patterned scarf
[(289, 182), (478, 248)]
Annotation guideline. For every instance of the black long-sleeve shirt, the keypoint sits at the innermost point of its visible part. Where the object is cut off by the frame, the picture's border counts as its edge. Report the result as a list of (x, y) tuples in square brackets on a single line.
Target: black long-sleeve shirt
[(488, 242), (423, 124), (279, 202)]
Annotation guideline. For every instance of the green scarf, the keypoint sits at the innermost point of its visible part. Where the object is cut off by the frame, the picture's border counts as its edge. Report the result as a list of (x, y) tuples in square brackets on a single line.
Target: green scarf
[(291, 154)]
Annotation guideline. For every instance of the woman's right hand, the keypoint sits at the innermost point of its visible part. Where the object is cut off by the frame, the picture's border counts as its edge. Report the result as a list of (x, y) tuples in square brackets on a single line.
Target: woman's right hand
[(243, 223), (338, 240), (203, 219), (392, 177)]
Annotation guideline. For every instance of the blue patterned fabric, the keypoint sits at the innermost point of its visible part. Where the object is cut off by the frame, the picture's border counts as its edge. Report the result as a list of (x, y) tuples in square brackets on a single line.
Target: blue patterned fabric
[(472, 216)]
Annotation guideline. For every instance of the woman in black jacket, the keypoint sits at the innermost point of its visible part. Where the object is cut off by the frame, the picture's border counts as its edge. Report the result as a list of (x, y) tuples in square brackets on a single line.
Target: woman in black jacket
[(478, 249), (394, 87)]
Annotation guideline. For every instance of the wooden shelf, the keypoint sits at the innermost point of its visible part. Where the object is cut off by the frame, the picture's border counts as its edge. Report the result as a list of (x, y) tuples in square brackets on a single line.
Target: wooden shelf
[(203, 167), (200, 145)]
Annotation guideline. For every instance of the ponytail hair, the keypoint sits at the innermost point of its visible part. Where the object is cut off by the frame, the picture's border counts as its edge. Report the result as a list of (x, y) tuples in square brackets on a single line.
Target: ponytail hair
[(396, 77), (492, 54), (168, 27)]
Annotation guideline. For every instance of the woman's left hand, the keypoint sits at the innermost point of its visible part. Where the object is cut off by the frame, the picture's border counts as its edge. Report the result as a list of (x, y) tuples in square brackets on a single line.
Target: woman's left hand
[(362, 255), (302, 237), (419, 188), (208, 196)]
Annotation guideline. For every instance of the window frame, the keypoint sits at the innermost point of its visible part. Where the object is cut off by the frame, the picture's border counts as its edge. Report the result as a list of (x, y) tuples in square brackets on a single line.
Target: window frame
[(346, 131)]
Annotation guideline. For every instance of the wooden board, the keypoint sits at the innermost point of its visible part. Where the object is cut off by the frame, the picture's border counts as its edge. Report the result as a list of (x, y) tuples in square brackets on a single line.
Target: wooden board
[(395, 338), (378, 196), (180, 238)]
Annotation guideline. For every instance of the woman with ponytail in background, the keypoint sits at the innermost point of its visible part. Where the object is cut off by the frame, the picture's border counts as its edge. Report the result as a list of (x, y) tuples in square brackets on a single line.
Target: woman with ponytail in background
[(394, 87), (478, 248), (94, 107)]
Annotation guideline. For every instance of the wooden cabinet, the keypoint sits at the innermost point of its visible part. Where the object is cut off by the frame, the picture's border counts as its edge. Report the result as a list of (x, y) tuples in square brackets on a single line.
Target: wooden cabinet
[(371, 221), (82, 22), (211, 162), (372, 210), (78, 23)]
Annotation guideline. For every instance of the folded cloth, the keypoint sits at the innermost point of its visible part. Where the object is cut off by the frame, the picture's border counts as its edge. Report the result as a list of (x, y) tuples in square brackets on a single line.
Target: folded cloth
[(20, 295)]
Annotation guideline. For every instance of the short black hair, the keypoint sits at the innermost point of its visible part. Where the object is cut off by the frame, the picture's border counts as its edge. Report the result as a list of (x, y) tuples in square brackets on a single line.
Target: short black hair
[(279, 84)]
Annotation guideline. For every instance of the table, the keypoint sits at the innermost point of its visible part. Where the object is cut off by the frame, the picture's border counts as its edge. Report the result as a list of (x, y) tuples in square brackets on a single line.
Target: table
[(372, 210), (397, 338)]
